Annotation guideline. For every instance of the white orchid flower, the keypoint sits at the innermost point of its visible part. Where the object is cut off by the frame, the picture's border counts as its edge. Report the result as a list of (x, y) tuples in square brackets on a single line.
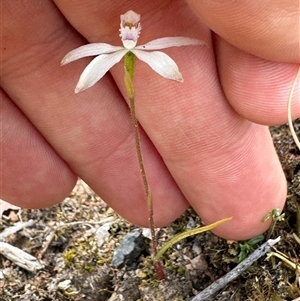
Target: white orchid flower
[(109, 55)]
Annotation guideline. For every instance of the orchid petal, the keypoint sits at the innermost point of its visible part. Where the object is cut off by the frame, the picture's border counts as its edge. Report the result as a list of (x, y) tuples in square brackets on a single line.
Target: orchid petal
[(89, 50), (96, 69), (160, 63), (162, 43)]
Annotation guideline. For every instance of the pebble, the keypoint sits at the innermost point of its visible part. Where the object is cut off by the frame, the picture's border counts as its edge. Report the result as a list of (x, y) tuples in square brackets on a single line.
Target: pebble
[(129, 250)]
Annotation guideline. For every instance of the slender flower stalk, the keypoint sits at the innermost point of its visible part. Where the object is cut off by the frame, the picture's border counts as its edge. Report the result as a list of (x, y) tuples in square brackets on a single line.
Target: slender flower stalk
[(107, 56), (128, 77)]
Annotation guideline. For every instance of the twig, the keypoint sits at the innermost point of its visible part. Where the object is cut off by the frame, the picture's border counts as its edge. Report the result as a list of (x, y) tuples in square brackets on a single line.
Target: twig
[(17, 227), (234, 273), (50, 237), (16, 255), (285, 260), (297, 239), (46, 244), (19, 257), (22, 258)]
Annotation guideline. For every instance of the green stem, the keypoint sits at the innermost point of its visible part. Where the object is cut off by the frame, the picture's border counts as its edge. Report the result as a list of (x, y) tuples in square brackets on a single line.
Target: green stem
[(129, 70), (138, 145), (143, 172)]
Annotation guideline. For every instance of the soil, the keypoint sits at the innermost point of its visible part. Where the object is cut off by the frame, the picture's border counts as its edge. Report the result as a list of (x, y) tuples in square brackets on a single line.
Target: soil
[(76, 257)]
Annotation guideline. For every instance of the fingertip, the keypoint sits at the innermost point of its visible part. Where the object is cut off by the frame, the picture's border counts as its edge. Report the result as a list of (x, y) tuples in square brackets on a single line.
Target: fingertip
[(249, 223), (33, 194)]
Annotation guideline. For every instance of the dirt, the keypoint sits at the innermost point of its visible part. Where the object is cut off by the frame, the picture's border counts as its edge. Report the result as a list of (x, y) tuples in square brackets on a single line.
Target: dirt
[(76, 259)]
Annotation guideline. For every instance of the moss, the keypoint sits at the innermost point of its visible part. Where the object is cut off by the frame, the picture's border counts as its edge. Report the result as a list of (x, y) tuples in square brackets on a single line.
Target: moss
[(181, 270), (69, 257), (84, 255)]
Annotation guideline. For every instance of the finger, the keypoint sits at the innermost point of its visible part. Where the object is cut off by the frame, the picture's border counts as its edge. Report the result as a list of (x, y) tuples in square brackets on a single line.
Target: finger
[(224, 157), (268, 29), (257, 89), (91, 131), (30, 169), (212, 153)]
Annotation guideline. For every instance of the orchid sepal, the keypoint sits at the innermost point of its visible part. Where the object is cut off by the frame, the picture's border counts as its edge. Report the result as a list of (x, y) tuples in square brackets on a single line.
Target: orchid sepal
[(168, 42), (89, 50)]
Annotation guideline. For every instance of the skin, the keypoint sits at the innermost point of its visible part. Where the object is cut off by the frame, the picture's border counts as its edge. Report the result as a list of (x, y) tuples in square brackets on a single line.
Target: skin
[(205, 141)]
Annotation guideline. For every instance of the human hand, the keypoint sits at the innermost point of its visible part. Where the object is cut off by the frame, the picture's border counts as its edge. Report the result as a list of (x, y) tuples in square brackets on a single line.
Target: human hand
[(199, 150)]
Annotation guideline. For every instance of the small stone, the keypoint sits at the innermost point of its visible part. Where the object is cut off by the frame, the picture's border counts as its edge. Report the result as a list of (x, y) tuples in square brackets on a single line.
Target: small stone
[(198, 263), (197, 249), (64, 285), (147, 232), (102, 234), (5, 273), (130, 249), (191, 224)]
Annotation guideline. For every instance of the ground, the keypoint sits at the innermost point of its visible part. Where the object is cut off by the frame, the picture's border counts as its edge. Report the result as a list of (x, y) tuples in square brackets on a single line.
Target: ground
[(76, 257)]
